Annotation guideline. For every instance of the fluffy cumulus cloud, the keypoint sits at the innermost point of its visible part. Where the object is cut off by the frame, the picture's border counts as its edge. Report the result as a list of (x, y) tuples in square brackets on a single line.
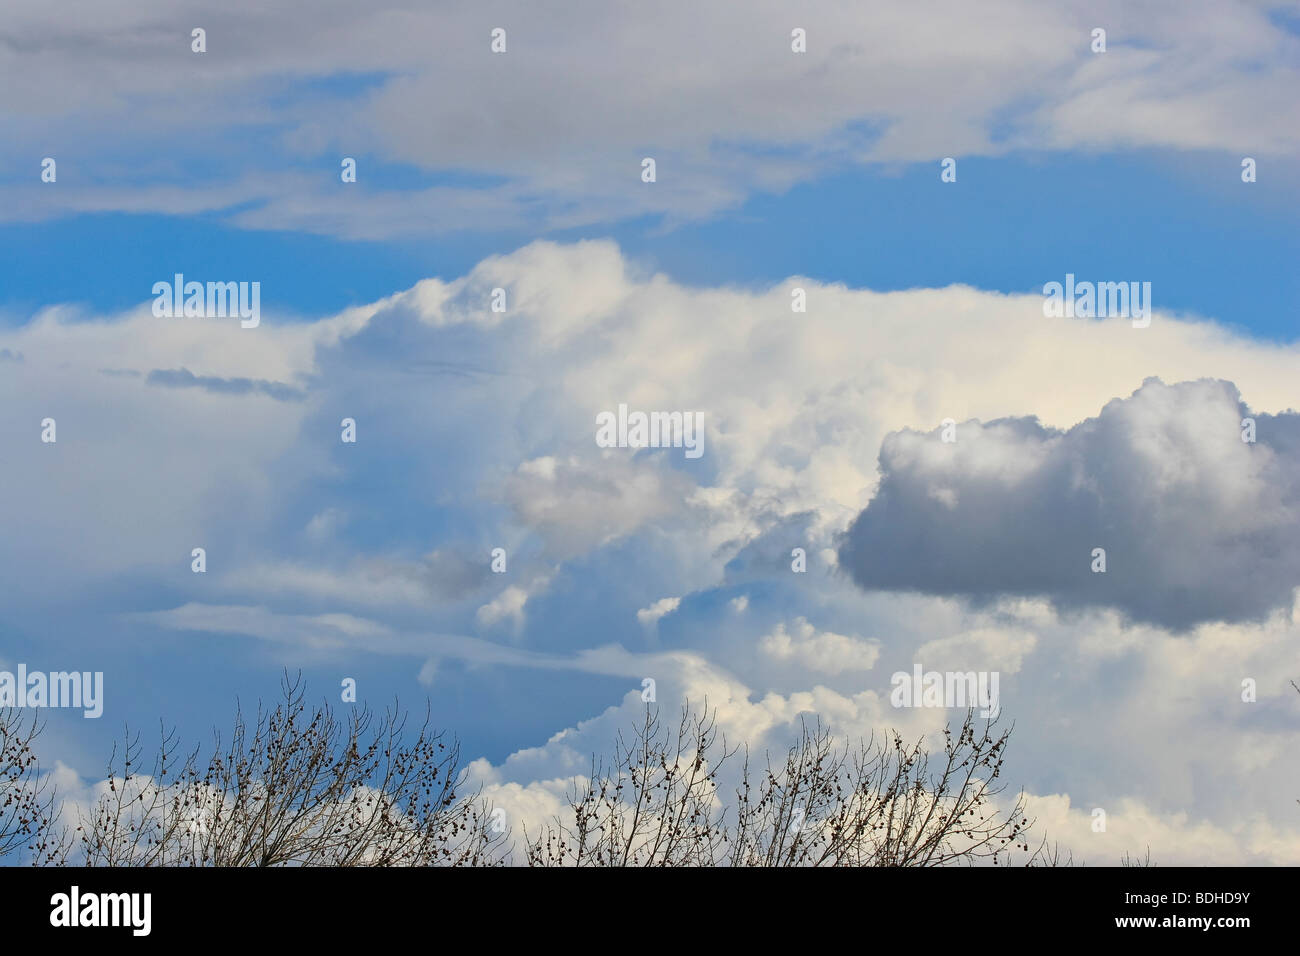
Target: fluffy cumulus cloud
[(257, 127), (1193, 521), (476, 432), (819, 650)]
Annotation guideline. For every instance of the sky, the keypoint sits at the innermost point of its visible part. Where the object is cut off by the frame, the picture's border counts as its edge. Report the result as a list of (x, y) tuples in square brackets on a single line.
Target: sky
[(779, 175)]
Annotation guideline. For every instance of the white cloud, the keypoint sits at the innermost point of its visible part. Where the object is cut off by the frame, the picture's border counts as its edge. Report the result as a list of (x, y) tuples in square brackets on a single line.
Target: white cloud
[(508, 606), (649, 616), (819, 650), (580, 503), (981, 649), (721, 102), (478, 432), (1172, 839)]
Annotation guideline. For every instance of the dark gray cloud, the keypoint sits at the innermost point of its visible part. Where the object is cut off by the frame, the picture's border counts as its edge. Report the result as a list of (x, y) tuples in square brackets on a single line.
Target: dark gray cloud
[(1197, 525), (184, 378)]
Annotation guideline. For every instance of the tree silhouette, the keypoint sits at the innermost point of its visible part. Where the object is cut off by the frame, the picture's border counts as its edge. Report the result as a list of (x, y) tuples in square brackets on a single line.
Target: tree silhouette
[(27, 800), (658, 802), (303, 786), (295, 786)]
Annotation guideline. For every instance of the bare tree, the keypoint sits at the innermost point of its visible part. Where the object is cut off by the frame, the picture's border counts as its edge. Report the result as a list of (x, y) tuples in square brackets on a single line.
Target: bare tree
[(1128, 860), (825, 804), (880, 805), (655, 805), (303, 786), (27, 801), (293, 787), (1049, 855)]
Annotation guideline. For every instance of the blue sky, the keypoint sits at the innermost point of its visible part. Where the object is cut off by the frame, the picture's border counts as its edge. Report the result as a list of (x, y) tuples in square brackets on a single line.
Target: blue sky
[(1207, 242), (774, 170)]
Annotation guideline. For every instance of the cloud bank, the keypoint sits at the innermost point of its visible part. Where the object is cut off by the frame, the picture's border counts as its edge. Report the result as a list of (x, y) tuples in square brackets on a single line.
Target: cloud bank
[(475, 431)]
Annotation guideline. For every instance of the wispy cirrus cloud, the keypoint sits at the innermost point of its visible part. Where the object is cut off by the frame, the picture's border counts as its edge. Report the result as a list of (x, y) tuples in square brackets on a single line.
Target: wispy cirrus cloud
[(539, 145)]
